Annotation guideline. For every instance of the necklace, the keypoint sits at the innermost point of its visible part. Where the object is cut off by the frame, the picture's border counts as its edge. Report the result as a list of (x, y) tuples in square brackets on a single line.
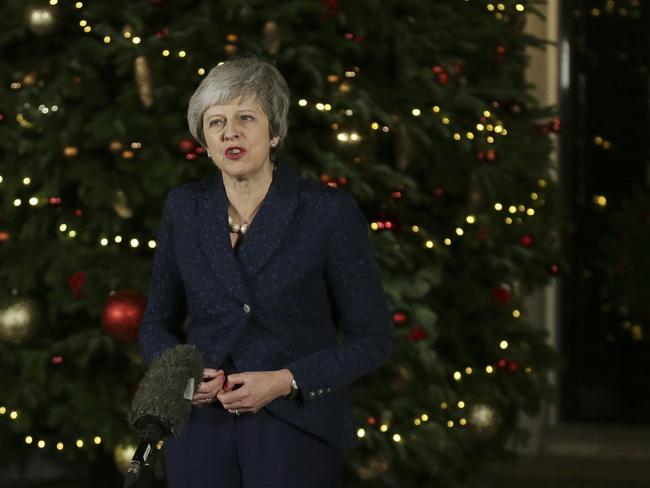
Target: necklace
[(242, 228)]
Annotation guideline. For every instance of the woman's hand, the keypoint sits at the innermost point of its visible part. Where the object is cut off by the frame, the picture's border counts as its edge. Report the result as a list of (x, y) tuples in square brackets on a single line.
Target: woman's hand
[(257, 388), (211, 385)]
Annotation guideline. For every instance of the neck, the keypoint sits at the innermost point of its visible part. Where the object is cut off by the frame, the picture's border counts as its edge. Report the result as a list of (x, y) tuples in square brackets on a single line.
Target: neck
[(245, 193)]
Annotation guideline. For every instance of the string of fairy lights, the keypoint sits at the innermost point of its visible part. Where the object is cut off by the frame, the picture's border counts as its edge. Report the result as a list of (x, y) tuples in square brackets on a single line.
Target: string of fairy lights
[(487, 128)]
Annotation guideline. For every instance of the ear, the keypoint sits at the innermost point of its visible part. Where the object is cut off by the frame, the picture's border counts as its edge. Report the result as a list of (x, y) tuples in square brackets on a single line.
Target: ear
[(274, 141)]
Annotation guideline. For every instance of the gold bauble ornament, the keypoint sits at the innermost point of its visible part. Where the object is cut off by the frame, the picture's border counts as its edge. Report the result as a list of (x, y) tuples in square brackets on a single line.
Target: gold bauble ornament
[(70, 151), (115, 146), (121, 205), (375, 467), (19, 320), (484, 420), (272, 41), (123, 455), (41, 19), (30, 78), (143, 80)]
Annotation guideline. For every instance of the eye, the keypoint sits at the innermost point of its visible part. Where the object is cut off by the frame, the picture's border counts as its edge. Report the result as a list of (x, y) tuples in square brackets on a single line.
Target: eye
[(214, 122), (247, 117)]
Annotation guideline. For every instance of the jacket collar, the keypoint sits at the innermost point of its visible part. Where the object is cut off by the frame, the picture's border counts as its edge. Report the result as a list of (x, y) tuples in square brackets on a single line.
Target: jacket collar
[(269, 227)]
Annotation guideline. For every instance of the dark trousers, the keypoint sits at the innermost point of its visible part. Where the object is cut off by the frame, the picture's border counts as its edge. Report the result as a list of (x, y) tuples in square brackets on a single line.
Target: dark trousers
[(220, 450)]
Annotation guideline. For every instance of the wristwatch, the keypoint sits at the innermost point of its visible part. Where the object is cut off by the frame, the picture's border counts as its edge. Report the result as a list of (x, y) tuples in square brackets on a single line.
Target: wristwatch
[(294, 390)]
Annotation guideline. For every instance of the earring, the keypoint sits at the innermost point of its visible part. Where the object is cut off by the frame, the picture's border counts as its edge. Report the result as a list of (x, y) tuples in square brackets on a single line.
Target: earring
[(208, 153), (273, 144)]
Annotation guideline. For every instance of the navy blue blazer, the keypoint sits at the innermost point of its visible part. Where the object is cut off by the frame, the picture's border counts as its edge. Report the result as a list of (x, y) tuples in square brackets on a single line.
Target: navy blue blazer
[(303, 267)]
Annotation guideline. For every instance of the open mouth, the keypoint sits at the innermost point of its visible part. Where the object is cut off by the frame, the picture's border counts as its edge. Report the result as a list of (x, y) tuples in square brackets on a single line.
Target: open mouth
[(234, 152)]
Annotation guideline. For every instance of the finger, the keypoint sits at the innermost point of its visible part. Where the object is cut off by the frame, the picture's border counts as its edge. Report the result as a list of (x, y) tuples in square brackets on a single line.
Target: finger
[(227, 397), (235, 379), (210, 373)]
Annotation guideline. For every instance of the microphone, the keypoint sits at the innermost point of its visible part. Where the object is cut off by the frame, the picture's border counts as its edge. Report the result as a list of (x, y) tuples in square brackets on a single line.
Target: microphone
[(163, 402)]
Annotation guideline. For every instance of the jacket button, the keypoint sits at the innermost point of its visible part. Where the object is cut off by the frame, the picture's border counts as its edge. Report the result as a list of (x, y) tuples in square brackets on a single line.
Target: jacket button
[(247, 308), (321, 391), (312, 394)]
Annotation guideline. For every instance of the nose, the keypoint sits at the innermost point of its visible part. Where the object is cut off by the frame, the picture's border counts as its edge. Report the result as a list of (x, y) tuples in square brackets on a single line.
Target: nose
[(229, 132)]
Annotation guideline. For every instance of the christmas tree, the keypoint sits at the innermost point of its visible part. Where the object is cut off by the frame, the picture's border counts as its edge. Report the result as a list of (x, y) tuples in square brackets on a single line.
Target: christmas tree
[(419, 109)]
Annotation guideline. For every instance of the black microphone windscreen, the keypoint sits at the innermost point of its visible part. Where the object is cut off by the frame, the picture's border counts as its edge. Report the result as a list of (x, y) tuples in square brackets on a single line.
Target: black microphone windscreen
[(161, 394)]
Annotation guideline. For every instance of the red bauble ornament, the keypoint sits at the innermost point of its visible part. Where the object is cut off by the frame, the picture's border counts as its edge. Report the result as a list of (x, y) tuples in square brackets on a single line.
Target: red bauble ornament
[(438, 192), (186, 145), (437, 69), (501, 294), (443, 78), (76, 283), (372, 421), (57, 360), (526, 240), (513, 366), (399, 318), (502, 363), (396, 195), (417, 333), (332, 8), (190, 156), (123, 313), (554, 269)]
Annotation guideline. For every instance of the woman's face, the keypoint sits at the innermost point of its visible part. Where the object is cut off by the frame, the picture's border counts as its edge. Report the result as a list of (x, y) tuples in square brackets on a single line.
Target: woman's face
[(237, 135)]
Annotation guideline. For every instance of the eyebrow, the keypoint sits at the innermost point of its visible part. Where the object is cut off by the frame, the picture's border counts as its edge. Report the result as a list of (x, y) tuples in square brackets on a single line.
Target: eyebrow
[(217, 114)]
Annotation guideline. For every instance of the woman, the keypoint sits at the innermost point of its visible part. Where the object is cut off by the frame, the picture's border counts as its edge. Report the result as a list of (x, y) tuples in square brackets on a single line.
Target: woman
[(264, 264)]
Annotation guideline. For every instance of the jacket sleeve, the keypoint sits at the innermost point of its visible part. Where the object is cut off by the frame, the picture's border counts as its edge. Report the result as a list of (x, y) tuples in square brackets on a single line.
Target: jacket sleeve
[(161, 324), (360, 303)]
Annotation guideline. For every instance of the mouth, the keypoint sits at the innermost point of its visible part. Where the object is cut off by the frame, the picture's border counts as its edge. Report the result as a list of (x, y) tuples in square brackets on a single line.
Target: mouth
[(234, 152)]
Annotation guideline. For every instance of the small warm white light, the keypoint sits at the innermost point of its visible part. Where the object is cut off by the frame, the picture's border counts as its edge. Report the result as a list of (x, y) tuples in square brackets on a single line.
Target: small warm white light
[(530, 212), (424, 417), (41, 444), (458, 375), (447, 241), (17, 202), (435, 108), (516, 313), (72, 233), (54, 2), (3, 410), (417, 421), (343, 137), (469, 135), (26, 181), (415, 228), (165, 52), (201, 71), (118, 239), (320, 106), (152, 244), (462, 421), (490, 139), (444, 405), (59, 446), (97, 440), (87, 29), (541, 182), (508, 220), (103, 241), (136, 40), (349, 112), (490, 7), (521, 208), (450, 423), (29, 439), (33, 201), (1, 179), (182, 54), (489, 369), (445, 120), (429, 244), (519, 7), (503, 344), (361, 433), (83, 23), (374, 126), (127, 34), (374, 226), (328, 107), (134, 243), (385, 129), (397, 438), (416, 112), (468, 370), (302, 102), (63, 227), (470, 219), (498, 206), (486, 113), (498, 129), (13, 415), (107, 39), (80, 443), (459, 231), (600, 200), (534, 196), (512, 209), (457, 136), (78, 5), (383, 428), (461, 404), (354, 137)]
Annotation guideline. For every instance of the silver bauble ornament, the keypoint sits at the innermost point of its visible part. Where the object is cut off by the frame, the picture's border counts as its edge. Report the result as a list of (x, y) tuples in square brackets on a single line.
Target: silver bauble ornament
[(41, 18)]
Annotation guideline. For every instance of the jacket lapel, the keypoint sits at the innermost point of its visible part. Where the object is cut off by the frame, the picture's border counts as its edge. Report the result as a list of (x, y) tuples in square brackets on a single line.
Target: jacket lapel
[(215, 240), (271, 223), (267, 230)]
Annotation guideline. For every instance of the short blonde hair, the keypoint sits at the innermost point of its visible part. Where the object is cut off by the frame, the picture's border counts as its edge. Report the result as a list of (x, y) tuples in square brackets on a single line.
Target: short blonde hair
[(242, 77)]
